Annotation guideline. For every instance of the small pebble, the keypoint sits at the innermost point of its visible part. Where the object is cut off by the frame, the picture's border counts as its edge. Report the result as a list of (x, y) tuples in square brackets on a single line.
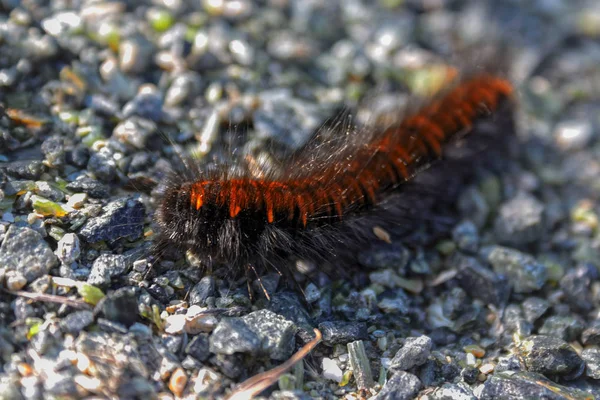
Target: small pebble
[(331, 370)]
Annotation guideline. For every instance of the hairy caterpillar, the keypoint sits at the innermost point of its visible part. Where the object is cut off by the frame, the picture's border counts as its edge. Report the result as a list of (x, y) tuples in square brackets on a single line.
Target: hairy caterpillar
[(322, 199)]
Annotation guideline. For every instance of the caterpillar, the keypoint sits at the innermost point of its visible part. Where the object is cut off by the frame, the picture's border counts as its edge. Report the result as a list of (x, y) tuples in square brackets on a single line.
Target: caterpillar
[(319, 202)]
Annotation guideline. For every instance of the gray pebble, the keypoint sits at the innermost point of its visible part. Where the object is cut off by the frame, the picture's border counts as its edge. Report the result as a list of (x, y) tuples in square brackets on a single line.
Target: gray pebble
[(478, 281), (452, 391), (394, 256), (520, 220), (401, 386), (232, 335), (122, 218), (576, 287), (524, 273), (10, 387), (472, 205), (312, 293), (198, 348), (105, 267), (591, 334), (466, 237), (54, 151), (147, 103), (515, 322), (103, 165), (24, 250), (591, 357), (566, 327), (534, 307), (76, 321), (275, 333), (414, 352), (202, 291), (135, 131), (94, 188), (44, 189)]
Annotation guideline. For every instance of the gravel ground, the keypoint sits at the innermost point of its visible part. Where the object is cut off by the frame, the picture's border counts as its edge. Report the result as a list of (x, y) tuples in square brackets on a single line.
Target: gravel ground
[(101, 97)]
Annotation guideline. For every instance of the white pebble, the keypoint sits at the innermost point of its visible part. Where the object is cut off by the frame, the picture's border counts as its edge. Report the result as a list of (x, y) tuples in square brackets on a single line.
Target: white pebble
[(68, 249), (331, 370), (175, 324), (15, 281), (77, 200)]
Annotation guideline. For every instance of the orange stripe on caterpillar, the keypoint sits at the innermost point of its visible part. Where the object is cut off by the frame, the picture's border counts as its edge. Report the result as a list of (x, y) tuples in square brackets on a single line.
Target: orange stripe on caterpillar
[(377, 167)]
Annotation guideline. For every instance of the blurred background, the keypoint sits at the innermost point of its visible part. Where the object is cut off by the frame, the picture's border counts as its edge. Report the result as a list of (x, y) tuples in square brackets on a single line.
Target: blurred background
[(99, 98)]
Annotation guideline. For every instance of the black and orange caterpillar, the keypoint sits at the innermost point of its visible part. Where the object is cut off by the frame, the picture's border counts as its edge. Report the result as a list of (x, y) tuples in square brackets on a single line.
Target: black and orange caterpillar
[(320, 200)]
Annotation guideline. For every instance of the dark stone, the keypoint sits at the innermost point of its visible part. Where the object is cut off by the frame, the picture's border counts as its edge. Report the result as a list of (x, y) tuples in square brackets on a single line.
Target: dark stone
[(401, 386), (159, 293), (450, 372), (527, 385), (198, 348), (136, 388), (340, 332), (509, 363), (534, 308), (430, 373), (479, 281), (76, 321), (576, 287), (524, 273), (520, 220), (202, 291), (121, 306), (111, 326), (21, 169), (103, 166), (469, 375), (146, 105), (79, 156), (591, 334), (173, 343), (231, 365), (90, 186), (515, 322), (550, 356), (122, 218), (567, 327), (414, 352), (54, 150), (466, 237), (288, 305), (442, 336), (384, 256)]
